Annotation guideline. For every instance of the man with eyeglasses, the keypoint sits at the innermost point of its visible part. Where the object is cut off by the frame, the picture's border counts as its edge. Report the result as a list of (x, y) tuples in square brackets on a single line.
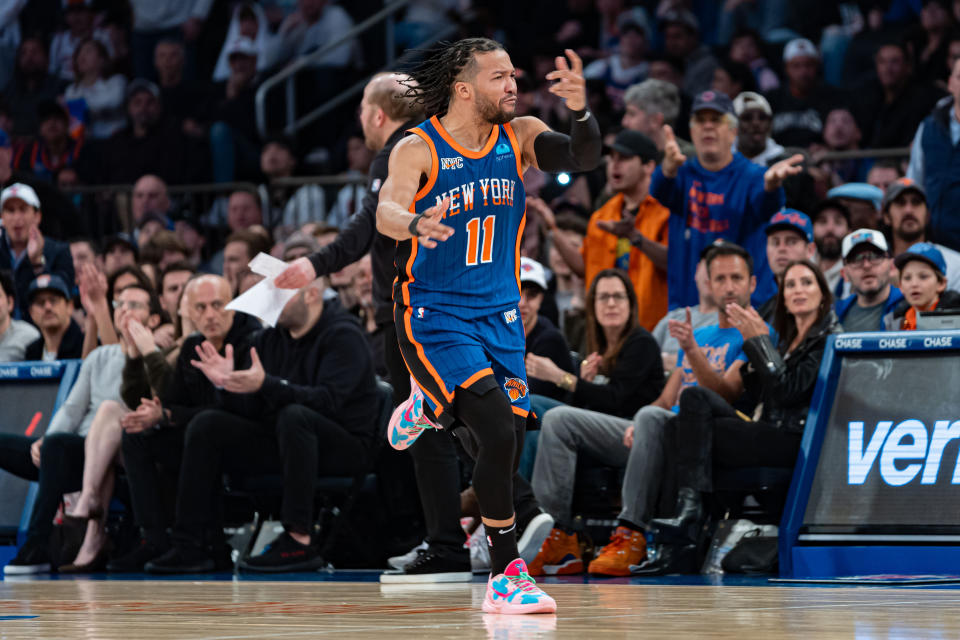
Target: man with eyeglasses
[(868, 268), (56, 460), (753, 135)]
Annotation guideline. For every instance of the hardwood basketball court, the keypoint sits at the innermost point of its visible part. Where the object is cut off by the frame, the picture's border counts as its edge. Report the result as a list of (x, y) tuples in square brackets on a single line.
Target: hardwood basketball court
[(242, 608)]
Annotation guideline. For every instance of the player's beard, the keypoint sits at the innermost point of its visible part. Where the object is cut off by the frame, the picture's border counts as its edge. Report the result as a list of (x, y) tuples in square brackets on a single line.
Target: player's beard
[(491, 112)]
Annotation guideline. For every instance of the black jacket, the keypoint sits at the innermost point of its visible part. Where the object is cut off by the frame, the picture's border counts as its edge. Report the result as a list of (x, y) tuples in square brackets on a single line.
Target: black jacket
[(636, 380), (329, 370), (547, 341), (58, 261), (785, 383), (184, 390), (71, 347), (359, 235)]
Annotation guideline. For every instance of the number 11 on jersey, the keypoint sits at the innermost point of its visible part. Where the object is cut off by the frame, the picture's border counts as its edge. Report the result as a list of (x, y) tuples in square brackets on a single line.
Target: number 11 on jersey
[(480, 250)]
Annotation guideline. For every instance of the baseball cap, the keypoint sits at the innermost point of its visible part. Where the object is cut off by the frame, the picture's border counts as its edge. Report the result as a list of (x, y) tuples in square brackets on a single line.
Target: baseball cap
[(863, 236), (140, 84), (925, 252), (77, 4), (714, 101), (154, 216), (532, 271), (633, 143), (719, 242), (792, 220), (20, 191), (48, 282), (747, 100), (119, 239), (243, 46), (899, 186), (858, 191), (4, 140), (635, 18), (800, 48), (681, 16), (831, 203)]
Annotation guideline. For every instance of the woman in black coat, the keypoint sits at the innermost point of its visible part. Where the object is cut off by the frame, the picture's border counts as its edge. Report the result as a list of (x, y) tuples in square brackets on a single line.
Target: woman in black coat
[(781, 372)]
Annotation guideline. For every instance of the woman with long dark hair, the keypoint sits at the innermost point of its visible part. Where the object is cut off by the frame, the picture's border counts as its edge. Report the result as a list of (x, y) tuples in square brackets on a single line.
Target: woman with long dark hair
[(781, 371), (622, 372), (617, 376)]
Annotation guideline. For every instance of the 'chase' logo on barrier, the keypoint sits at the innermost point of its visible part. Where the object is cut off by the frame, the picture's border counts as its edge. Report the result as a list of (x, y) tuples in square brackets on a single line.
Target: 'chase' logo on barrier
[(903, 451), (894, 343)]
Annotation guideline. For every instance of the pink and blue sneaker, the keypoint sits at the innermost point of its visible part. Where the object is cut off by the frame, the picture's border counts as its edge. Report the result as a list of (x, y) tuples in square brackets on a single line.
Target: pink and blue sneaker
[(515, 592), (408, 420)]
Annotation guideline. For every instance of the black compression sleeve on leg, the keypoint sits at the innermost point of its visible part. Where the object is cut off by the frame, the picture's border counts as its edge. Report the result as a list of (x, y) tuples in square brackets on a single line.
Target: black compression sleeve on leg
[(580, 151)]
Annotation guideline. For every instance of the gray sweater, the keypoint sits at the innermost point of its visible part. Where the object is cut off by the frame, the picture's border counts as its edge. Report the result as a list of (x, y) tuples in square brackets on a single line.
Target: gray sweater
[(98, 380), (14, 341)]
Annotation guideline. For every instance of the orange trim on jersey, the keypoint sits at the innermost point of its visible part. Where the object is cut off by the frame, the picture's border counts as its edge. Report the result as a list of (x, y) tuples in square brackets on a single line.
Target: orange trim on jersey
[(434, 167), (516, 266), (408, 328), (473, 379), (516, 149), (473, 155), (405, 287), (523, 413)]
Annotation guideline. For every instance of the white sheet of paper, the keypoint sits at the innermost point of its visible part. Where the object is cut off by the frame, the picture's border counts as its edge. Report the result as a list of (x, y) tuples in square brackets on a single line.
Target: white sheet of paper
[(264, 300)]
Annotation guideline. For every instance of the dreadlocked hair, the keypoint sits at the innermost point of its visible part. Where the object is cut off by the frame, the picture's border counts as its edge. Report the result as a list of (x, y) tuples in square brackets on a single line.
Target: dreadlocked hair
[(431, 81)]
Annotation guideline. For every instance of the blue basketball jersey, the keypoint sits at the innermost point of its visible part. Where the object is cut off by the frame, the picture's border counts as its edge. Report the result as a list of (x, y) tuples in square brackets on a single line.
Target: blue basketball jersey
[(476, 271)]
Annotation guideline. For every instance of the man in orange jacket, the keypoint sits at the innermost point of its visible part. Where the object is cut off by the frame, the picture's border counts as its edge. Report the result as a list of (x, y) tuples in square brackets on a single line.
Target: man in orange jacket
[(629, 231)]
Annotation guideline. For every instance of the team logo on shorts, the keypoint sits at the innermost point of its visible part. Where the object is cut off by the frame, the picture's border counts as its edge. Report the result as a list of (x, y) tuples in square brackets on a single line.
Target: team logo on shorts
[(419, 312), (510, 316), (515, 388)]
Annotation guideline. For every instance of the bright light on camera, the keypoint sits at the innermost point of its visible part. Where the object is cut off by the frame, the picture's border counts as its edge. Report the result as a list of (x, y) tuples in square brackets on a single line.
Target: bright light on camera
[(563, 178)]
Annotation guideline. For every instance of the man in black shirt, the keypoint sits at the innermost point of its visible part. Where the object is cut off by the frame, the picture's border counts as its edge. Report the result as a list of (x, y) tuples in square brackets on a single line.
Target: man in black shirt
[(801, 105)]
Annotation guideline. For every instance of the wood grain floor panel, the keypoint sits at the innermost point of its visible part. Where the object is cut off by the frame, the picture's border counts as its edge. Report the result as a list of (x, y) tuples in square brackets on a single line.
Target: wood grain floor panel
[(109, 610)]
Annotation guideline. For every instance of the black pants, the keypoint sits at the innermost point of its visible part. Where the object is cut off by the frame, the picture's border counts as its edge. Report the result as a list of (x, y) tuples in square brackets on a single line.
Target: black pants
[(60, 472), (709, 433), (152, 460), (300, 443)]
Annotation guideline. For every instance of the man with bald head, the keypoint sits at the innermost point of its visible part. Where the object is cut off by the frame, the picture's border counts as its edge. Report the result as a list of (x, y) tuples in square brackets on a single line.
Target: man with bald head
[(149, 196), (153, 439), (300, 400)]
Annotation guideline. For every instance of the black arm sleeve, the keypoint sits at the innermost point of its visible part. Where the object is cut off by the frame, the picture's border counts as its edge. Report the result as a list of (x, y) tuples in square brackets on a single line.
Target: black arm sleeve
[(580, 151)]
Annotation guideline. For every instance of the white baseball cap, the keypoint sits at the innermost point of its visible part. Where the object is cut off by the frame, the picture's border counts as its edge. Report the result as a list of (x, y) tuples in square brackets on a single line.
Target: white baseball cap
[(863, 236), (747, 100), (533, 271), (800, 48), (20, 191), (244, 46)]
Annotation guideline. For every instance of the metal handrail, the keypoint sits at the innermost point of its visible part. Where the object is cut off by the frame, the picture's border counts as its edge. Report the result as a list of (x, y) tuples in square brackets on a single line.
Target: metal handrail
[(862, 154), (287, 73)]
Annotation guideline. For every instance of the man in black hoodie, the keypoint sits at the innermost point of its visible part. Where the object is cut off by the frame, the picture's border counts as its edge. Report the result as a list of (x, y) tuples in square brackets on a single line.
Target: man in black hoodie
[(302, 400)]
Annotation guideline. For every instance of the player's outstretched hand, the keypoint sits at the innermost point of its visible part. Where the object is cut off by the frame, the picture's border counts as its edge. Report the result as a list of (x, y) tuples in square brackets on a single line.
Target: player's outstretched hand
[(673, 158), (429, 228), (569, 84), (775, 175)]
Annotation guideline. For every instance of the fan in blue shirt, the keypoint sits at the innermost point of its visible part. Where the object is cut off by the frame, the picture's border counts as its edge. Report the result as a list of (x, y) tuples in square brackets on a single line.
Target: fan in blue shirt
[(717, 195)]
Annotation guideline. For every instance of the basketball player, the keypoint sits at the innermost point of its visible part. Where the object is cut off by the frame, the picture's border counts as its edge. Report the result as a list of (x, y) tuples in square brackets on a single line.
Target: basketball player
[(454, 201)]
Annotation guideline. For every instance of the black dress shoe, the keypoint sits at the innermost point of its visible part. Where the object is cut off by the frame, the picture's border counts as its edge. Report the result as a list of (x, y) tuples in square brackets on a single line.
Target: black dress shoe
[(669, 559), (134, 560), (686, 525), (181, 559)]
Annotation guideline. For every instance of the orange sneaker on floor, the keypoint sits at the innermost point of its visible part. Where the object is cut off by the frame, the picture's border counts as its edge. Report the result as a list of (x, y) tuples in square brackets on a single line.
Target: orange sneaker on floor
[(559, 556), (626, 547)]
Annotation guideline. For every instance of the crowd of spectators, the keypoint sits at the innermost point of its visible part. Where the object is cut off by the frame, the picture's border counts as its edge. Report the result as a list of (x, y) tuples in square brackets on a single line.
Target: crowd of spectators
[(740, 216)]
